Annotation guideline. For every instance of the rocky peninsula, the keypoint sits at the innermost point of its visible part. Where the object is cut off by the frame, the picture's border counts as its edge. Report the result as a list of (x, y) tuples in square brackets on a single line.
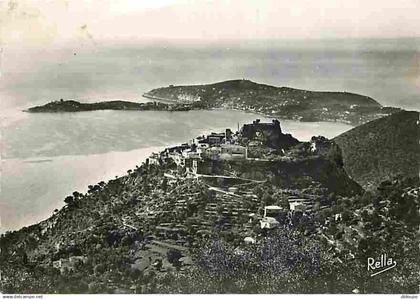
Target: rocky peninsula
[(245, 95), (280, 102), (75, 106)]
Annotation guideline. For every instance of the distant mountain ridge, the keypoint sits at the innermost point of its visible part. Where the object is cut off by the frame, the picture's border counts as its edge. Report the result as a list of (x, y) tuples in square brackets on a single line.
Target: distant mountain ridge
[(282, 102), (382, 149)]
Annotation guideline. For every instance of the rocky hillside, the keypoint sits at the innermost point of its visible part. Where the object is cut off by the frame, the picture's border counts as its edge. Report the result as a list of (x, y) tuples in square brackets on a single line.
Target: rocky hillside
[(382, 149), (299, 169), (283, 102), (125, 235)]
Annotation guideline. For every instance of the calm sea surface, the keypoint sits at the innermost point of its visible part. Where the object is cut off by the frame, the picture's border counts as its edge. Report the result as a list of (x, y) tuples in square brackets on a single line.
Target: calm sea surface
[(47, 156)]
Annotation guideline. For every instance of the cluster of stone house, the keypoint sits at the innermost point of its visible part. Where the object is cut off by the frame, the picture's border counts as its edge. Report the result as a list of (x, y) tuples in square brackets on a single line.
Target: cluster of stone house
[(213, 147), (272, 214), (226, 145)]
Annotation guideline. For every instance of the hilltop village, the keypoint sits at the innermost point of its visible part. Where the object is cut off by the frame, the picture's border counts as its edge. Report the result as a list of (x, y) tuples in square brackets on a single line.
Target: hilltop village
[(246, 211)]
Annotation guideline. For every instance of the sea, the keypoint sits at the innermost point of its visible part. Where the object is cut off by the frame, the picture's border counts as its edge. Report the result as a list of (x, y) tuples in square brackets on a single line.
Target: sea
[(45, 157)]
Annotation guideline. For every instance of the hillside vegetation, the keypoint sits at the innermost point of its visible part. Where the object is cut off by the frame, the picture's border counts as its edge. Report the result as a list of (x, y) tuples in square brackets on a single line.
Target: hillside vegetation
[(382, 149), (282, 102), (75, 106), (165, 228)]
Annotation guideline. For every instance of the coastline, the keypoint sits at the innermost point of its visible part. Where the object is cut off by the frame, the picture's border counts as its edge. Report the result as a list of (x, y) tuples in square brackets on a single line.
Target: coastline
[(78, 169), (61, 175), (164, 100), (284, 117), (81, 171)]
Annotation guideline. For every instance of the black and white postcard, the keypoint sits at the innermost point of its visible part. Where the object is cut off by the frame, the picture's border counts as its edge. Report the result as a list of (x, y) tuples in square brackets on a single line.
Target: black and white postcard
[(209, 147)]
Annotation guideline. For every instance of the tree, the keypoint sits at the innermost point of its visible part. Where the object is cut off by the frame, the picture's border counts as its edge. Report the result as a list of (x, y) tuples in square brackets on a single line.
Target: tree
[(90, 189), (316, 206), (173, 256), (347, 203), (69, 200), (76, 195), (99, 269), (346, 216), (267, 199), (192, 208), (367, 198), (332, 198), (284, 203), (164, 184)]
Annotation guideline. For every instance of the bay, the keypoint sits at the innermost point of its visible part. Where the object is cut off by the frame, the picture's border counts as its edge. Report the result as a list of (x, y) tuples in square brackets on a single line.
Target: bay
[(48, 156), (45, 157)]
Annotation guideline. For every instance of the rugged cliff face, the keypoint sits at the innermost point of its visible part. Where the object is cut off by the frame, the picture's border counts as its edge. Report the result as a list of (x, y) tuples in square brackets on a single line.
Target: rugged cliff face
[(307, 172), (318, 164)]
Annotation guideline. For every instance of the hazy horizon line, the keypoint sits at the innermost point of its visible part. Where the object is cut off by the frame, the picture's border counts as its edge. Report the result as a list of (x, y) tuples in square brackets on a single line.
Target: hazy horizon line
[(258, 42)]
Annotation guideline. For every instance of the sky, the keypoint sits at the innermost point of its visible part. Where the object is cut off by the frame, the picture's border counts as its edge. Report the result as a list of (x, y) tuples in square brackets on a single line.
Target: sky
[(30, 23)]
